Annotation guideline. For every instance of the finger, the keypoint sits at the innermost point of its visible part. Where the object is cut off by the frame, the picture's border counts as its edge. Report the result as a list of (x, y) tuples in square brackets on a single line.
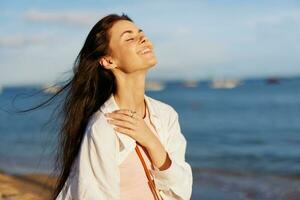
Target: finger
[(122, 124), (127, 112), (121, 116), (124, 131), (124, 111)]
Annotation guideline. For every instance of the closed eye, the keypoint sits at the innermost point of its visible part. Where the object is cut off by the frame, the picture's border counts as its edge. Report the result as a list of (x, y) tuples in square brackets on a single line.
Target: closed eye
[(130, 39)]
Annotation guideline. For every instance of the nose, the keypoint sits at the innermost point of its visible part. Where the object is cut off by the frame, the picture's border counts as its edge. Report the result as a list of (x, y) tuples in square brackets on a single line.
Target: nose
[(143, 38)]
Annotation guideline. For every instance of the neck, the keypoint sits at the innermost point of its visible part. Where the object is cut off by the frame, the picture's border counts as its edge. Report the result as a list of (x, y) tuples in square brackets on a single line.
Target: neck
[(130, 93)]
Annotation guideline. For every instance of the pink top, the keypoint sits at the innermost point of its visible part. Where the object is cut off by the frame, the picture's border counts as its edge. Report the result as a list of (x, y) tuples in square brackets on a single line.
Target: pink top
[(134, 182)]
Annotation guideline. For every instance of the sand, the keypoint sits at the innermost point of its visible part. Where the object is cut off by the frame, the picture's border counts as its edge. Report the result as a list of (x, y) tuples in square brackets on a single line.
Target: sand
[(26, 187), (208, 184)]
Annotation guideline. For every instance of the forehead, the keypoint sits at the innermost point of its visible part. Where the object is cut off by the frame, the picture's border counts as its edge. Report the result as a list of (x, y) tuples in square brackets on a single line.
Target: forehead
[(120, 26)]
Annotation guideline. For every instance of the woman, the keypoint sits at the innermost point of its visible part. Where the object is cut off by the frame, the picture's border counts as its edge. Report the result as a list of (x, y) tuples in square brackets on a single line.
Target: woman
[(108, 120)]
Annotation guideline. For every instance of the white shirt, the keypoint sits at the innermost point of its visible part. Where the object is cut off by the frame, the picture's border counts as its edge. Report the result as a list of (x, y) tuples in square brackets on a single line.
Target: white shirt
[(95, 174)]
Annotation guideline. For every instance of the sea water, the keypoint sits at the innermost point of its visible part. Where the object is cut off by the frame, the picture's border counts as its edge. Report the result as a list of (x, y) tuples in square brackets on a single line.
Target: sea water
[(242, 143)]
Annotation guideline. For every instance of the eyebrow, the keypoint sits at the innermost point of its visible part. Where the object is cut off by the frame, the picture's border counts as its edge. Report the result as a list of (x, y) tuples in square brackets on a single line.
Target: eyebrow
[(129, 31)]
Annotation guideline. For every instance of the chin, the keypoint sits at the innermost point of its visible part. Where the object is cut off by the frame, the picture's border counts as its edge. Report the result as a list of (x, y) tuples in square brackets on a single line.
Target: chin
[(152, 63)]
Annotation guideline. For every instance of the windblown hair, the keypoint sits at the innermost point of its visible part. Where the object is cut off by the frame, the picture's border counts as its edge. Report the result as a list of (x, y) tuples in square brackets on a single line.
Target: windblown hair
[(85, 92), (90, 87)]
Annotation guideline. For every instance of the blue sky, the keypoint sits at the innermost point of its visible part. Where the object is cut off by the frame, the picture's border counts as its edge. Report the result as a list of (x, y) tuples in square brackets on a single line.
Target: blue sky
[(39, 40)]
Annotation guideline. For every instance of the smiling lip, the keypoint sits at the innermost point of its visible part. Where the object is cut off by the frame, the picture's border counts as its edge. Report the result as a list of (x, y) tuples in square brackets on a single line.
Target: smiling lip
[(145, 51)]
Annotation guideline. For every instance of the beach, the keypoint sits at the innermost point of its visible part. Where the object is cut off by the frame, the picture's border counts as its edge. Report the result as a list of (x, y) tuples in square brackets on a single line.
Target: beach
[(25, 187), (208, 185)]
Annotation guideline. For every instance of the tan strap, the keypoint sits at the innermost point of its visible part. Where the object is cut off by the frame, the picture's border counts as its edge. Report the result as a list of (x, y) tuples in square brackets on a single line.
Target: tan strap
[(150, 181)]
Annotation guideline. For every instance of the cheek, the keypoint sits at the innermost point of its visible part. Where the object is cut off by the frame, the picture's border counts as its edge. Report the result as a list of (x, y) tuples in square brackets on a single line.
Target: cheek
[(129, 59), (127, 51)]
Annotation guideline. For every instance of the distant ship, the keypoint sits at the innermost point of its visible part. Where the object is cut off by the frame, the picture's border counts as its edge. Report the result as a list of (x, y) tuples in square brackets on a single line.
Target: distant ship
[(51, 89), (154, 86), (272, 80), (224, 84), (190, 83)]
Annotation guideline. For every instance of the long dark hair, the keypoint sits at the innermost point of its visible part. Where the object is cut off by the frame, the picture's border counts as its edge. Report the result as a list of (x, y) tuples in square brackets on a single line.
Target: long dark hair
[(89, 88), (85, 92)]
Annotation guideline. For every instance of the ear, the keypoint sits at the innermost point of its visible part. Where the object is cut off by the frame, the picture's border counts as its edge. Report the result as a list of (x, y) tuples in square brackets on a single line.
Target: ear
[(106, 62)]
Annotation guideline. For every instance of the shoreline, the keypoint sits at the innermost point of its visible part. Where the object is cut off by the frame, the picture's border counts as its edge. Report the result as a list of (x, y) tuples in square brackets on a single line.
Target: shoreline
[(207, 184), (25, 187)]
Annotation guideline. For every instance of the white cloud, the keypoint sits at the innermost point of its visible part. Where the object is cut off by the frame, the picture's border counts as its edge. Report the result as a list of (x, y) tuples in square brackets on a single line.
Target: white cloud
[(81, 18), (201, 41), (20, 40)]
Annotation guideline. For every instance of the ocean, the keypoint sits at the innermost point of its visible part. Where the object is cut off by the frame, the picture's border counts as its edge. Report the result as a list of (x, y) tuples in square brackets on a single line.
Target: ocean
[(242, 142)]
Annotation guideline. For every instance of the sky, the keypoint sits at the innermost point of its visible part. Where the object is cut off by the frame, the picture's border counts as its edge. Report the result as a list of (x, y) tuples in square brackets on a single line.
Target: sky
[(39, 40)]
